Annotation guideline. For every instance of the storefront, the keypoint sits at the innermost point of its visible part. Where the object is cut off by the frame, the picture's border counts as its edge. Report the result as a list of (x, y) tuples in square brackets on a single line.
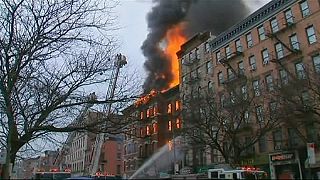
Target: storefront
[(285, 165)]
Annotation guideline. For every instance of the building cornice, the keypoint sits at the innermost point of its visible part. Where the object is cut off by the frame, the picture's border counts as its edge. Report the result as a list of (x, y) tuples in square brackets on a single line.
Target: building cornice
[(259, 16)]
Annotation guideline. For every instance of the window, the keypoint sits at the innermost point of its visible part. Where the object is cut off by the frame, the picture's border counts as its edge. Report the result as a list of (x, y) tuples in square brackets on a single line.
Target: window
[(246, 116), (228, 52), (261, 33), (311, 35), (169, 108), (265, 56), (198, 71), (154, 127), (169, 125), (218, 57), (249, 40), (191, 56), (284, 77), (256, 87), (279, 50), (274, 25), (294, 139), (210, 87), (288, 16), (230, 74), (241, 67), (277, 139), (238, 45), (259, 111), (273, 108), (263, 144), (148, 130), (207, 47), (244, 91), (197, 53), (316, 63), (269, 81), (252, 63), (294, 42), (300, 71), (222, 100), (220, 78), (141, 115), (209, 67), (304, 9), (305, 98), (177, 105), (178, 123)]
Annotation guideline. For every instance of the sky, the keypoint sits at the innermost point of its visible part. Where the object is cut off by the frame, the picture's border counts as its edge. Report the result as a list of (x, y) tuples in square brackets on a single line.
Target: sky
[(133, 28)]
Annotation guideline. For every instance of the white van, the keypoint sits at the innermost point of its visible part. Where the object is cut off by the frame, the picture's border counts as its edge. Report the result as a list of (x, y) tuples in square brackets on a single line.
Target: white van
[(236, 174)]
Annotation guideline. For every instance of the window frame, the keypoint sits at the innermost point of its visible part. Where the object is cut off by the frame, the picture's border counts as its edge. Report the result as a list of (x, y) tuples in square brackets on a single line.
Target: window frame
[(261, 33), (279, 50), (294, 42), (312, 38), (256, 88), (274, 25), (249, 40), (265, 56), (305, 11), (289, 16)]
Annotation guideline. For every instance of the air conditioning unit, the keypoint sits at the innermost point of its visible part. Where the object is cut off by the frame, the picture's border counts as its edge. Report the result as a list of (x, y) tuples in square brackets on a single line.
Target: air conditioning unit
[(277, 147), (253, 67), (265, 62)]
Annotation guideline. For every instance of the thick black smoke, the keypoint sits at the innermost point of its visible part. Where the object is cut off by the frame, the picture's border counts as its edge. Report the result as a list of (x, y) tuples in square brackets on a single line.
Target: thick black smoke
[(200, 15)]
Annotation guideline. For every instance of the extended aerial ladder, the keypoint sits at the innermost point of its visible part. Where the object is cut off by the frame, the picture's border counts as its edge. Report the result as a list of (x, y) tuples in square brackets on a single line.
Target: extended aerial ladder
[(119, 63)]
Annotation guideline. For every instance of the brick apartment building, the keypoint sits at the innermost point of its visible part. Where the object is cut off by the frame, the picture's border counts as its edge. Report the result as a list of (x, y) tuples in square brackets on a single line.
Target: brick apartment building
[(279, 38), (155, 122), (77, 153)]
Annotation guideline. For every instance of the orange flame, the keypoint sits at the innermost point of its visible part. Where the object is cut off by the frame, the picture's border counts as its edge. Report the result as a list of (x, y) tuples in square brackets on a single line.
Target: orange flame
[(146, 98), (175, 38)]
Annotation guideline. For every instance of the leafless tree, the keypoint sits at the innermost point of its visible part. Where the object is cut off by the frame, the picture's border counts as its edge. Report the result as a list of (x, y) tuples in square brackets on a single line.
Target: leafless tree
[(299, 99), (50, 53), (231, 121)]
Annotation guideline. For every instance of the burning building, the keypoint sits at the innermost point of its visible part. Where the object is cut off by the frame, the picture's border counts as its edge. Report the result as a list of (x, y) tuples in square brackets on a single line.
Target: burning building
[(155, 121), (158, 113)]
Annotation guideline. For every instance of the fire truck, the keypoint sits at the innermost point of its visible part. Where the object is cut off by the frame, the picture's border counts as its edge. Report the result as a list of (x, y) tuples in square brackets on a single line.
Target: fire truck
[(243, 173)]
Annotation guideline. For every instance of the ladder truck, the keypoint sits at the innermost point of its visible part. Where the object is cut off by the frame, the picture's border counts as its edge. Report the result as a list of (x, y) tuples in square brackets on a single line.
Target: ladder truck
[(120, 61)]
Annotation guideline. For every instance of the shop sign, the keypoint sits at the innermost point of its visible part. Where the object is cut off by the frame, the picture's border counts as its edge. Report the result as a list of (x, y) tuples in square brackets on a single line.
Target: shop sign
[(282, 157)]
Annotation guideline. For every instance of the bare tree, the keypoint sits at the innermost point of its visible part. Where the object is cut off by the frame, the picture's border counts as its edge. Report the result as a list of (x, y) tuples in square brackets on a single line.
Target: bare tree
[(298, 92), (231, 121), (50, 52)]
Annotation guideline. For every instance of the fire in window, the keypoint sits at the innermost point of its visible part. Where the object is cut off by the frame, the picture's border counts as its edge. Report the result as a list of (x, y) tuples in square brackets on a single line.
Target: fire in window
[(177, 105), (169, 125), (141, 115), (154, 127), (169, 108), (148, 130), (178, 123), (148, 113)]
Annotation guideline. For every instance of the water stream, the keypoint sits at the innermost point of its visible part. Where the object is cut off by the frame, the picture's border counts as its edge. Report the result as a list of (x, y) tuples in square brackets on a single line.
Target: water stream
[(161, 162)]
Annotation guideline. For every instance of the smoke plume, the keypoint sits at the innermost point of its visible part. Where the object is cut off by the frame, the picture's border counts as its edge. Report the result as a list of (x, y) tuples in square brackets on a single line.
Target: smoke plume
[(199, 15)]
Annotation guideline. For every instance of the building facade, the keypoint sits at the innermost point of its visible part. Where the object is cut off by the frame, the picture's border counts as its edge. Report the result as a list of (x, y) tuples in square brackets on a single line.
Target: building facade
[(280, 38), (155, 123)]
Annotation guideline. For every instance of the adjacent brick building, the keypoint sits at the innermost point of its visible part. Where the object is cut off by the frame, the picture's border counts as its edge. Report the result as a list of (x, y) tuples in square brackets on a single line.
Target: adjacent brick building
[(280, 37)]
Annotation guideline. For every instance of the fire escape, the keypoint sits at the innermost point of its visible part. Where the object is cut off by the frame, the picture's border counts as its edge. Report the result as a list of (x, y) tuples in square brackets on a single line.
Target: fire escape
[(293, 49), (233, 74)]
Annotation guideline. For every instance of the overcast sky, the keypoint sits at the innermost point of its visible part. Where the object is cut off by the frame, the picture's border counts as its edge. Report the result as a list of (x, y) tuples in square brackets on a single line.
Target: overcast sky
[(132, 20)]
